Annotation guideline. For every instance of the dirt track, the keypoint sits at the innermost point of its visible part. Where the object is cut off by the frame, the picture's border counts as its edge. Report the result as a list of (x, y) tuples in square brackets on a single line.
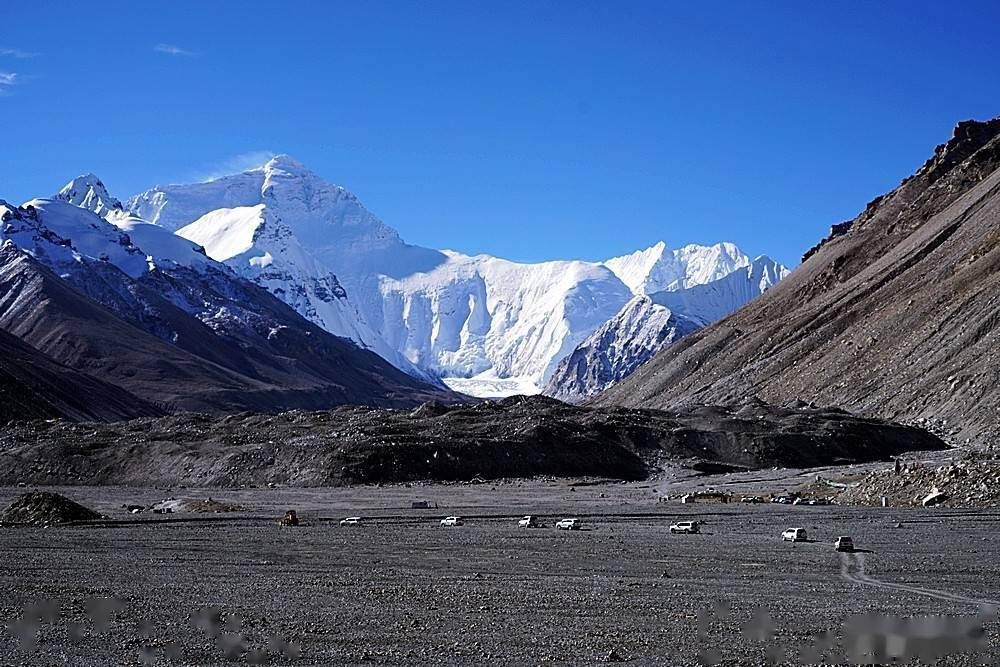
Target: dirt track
[(403, 590)]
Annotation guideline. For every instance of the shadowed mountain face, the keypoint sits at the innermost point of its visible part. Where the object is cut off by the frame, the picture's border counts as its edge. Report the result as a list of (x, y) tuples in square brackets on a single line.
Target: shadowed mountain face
[(615, 350), (184, 336), (896, 314), (32, 386)]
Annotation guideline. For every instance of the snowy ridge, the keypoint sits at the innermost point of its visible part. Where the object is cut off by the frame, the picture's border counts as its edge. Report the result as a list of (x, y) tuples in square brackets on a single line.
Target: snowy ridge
[(708, 302), (658, 268), (63, 236), (114, 264)]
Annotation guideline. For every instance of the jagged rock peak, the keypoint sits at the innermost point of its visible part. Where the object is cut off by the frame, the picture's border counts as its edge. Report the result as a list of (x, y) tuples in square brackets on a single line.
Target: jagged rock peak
[(967, 138)]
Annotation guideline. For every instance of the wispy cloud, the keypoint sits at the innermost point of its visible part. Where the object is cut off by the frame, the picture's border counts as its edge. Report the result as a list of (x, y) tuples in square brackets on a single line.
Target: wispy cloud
[(233, 165), (16, 53), (171, 49), (7, 79)]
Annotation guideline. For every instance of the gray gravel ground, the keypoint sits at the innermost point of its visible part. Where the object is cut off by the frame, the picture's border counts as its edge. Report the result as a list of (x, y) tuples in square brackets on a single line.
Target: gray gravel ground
[(403, 590)]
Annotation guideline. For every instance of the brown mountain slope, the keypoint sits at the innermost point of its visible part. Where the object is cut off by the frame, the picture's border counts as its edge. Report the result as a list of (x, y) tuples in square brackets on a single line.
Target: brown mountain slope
[(896, 314), (299, 368), (32, 386)]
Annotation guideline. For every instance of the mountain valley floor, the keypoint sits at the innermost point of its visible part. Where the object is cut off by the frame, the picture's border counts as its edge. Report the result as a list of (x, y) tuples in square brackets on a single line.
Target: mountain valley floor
[(237, 588)]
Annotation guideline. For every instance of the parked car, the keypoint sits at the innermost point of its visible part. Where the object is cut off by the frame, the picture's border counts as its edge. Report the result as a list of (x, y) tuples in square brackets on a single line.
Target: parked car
[(783, 500), (844, 543), (529, 522), (351, 521), (795, 535), (452, 521), (685, 527), (751, 499), (811, 501), (569, 524)]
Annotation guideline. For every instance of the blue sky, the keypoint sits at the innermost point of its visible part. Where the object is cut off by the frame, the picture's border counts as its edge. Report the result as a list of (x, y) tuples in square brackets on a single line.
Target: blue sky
[(530, 130)]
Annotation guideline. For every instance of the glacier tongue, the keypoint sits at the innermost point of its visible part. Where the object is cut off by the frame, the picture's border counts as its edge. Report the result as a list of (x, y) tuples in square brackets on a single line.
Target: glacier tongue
[(488, 385), (482, 323)]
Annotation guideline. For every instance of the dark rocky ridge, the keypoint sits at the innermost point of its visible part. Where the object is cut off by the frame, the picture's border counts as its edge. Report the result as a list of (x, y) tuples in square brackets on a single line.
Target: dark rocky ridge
[(516, 437), (896, 315)]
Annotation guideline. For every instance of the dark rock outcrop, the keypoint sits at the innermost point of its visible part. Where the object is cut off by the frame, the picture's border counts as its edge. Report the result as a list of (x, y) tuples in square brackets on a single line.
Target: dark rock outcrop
[(618, 347)]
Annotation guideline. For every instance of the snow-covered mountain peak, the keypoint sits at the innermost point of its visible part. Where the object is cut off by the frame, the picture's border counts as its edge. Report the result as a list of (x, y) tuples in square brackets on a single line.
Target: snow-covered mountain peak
[(159, 247), (710, 301), (766, 272), (325, 217), (286, 164), (87, 191)]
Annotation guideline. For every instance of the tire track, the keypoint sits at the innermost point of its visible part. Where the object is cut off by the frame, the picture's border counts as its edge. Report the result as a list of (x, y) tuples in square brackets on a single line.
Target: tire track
[(852, 568)]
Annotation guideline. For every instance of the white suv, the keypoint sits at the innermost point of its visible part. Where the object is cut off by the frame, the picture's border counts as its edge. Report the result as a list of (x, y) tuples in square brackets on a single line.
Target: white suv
[(568, 524), (795, 535), (452, 521), (351, 521), (528, 522), (685, 527)]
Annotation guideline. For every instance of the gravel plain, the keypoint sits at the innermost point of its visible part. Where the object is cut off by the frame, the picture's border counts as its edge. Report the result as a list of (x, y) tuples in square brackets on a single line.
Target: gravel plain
[(225, 589)]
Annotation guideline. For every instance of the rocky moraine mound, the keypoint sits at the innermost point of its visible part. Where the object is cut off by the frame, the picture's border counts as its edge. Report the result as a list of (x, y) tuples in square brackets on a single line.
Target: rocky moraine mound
[(972, 481), (515, 437), (40, 508)]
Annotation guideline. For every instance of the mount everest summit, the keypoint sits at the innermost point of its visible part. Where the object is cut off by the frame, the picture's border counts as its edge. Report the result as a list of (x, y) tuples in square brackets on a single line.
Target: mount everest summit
[(484, 325), (238, 293)]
